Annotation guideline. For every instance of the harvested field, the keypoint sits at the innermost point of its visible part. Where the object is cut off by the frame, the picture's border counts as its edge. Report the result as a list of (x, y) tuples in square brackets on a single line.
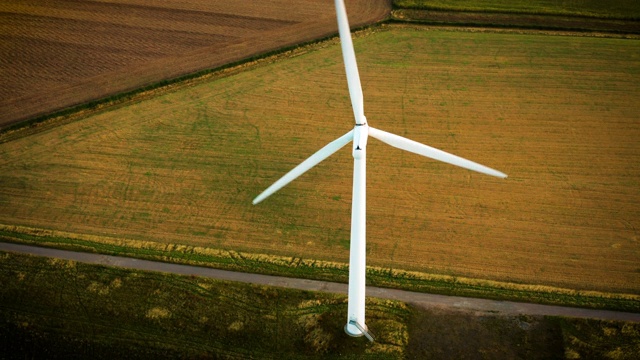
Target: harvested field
[(59, 53), (558, 114)]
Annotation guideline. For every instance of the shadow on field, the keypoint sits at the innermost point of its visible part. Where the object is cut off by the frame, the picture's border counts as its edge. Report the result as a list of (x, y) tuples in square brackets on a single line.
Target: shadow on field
[(443, 334), (446, 334)]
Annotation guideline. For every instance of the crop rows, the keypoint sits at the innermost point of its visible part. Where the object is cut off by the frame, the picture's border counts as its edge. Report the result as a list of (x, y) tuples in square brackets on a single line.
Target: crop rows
[(56, 54)]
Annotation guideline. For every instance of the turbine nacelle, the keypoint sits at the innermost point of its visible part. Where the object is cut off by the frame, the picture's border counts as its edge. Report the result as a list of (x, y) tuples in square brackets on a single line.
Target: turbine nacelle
[(360, 137)]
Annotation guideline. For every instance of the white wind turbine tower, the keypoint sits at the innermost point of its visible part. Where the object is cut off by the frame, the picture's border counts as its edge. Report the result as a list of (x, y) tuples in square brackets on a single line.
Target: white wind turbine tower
[(356, 303)]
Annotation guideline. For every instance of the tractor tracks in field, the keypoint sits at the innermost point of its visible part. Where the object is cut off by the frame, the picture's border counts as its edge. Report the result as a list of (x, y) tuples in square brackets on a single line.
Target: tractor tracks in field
[(455, 303)]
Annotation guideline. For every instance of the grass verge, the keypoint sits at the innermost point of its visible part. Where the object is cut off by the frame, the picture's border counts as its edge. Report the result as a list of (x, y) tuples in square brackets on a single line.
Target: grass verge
[(322, 270), (53, 308)]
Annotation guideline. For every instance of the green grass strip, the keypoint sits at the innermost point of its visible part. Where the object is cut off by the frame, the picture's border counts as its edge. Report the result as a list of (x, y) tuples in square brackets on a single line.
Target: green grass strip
[(322, 270)]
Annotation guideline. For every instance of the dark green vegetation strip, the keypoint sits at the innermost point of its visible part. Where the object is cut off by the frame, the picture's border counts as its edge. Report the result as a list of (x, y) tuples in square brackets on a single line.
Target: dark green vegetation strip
[(55, 307), (575, 16), (300, 268), (613, 9), (574, 24), (62, 309)]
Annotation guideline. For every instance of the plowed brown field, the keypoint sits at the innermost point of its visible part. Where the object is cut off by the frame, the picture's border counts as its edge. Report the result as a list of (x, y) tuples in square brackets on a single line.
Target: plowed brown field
[(558, 114), (58, 53)]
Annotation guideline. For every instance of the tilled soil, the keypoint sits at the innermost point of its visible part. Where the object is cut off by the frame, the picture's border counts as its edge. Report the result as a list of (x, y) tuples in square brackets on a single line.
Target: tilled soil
[(56, 54)]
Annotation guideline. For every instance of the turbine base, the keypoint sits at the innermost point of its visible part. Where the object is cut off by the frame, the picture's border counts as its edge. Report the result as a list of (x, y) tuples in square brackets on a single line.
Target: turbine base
[(364, 330), (352, 334)]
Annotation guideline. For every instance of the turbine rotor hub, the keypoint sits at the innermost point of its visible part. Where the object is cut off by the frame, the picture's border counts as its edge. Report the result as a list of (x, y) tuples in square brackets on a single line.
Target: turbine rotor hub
[(360, 136)]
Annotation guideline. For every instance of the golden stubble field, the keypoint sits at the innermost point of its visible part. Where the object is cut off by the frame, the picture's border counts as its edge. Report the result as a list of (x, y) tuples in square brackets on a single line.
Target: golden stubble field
[(58, 53), (556, 113)]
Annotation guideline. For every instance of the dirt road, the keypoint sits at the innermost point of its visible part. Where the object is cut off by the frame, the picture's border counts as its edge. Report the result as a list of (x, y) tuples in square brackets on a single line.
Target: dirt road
[(420, 299)]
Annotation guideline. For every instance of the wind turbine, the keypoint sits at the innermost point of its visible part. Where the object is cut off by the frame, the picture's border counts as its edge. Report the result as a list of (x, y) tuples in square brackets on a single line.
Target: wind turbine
[(356, 303)]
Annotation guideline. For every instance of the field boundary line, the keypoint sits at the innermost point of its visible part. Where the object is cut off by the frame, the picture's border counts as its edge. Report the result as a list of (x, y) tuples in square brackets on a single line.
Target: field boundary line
[(420, 299), (21, 128), (320, 270)]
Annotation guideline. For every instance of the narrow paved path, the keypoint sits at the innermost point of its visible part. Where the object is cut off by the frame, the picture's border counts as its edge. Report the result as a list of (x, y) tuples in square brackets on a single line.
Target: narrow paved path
[(420, 299)]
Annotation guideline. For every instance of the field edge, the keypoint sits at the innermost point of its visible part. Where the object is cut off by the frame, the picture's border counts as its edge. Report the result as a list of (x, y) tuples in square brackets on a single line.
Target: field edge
[(266, 264), (399, 15), (90, 310), (461, 7)]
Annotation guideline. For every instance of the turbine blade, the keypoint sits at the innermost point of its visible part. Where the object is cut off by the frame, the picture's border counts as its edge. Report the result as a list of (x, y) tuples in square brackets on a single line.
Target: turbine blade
[(310, 162), (350, 65), (430, 152)]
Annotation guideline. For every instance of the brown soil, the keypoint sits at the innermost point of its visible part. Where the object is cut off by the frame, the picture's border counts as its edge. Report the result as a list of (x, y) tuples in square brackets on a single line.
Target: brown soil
[(55, 54)]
